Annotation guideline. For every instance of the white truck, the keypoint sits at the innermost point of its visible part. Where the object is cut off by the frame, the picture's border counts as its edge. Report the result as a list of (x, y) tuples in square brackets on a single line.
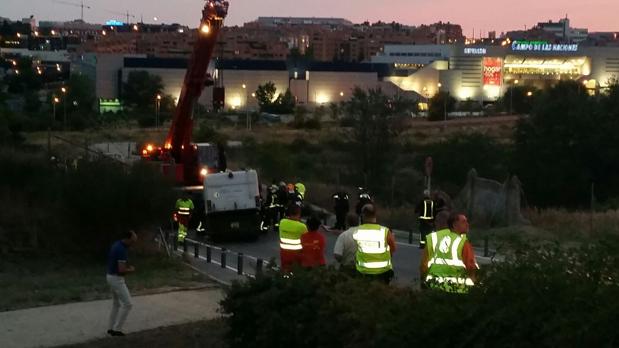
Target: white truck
[(232, 205)]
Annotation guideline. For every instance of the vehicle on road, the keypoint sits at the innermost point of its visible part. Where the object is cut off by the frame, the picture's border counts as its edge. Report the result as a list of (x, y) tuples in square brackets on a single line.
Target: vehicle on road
[(232, 205)]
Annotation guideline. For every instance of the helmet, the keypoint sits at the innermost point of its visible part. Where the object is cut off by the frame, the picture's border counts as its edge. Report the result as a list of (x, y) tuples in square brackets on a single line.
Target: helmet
[(300, 188)]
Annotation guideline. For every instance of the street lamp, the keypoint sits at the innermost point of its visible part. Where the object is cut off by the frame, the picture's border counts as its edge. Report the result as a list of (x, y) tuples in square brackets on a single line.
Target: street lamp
[(439, 85), (64, 106), (52, 118), (247, 118), (511, 97), (157, 108)]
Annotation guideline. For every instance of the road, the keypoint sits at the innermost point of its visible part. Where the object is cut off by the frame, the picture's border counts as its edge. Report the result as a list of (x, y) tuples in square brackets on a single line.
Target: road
[(405, 259)]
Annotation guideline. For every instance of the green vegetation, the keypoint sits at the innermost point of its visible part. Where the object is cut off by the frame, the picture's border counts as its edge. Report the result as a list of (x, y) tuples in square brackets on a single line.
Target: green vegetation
[(440, 104), (546, 296), (567, 145), (31, 281), (79, 209), (274, 103)]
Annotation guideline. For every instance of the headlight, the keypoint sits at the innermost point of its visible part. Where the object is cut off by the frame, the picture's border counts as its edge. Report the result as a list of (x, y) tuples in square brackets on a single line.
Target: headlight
[(204, 171)]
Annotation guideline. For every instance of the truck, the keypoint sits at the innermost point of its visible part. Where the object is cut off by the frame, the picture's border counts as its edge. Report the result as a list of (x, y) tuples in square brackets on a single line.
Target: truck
[(181, 159), (232, 205)]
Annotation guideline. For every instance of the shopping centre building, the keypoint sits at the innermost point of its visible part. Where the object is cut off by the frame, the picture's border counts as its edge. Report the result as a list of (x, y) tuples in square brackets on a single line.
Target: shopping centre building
[(477, 72), (484, 73)]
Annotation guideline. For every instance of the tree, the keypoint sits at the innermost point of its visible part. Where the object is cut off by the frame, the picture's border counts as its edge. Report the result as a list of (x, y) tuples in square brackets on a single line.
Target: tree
[(373, 136), (438, 103), (567, 144), (141, 90), (519, 99), (265, 94), (268, 102)]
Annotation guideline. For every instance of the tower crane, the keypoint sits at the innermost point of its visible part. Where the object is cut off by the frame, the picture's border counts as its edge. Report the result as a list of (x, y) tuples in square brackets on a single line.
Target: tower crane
[(74, 4)]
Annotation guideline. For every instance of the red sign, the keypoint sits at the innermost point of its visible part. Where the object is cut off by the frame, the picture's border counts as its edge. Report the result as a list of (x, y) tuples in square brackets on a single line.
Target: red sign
[(493, 71)]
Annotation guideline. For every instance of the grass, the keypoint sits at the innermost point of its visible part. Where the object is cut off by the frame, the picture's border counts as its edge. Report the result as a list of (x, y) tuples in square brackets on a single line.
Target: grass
[(208, 333), (41, 281)]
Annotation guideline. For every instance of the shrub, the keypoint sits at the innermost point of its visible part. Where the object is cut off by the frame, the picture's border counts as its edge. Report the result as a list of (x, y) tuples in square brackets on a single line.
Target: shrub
[(83, 209), (546, 296)]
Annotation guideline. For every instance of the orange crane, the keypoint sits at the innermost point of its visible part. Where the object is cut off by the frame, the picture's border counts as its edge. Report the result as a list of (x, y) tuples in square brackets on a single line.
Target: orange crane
[(180, 155)]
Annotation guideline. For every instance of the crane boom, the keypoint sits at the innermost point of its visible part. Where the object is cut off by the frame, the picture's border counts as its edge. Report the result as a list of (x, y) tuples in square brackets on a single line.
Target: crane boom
[(178, 148)]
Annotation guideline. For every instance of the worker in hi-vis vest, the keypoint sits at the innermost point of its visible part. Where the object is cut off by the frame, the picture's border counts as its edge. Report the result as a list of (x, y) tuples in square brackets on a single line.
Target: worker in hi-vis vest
[(425, 216), (290, 230), (184, 208), (448, 261), (375, 245)]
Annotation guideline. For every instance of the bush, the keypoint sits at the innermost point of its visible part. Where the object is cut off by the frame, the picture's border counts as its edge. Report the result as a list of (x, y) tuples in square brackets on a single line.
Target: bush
[(83, 209), (547, 297)]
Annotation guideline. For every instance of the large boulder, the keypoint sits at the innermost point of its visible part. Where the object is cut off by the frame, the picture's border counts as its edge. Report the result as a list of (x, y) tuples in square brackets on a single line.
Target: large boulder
[(489, 203)]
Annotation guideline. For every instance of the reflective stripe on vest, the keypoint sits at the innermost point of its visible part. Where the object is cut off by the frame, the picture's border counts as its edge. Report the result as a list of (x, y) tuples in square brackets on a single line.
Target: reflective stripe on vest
[(290, 232), (373, 253), (446, 269), (455, 280), (427, 215), (184, 211), (290, 244)]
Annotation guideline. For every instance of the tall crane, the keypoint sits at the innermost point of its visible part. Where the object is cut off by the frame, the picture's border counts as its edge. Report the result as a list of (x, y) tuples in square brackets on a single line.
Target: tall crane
[(81, 5), (178, 147)]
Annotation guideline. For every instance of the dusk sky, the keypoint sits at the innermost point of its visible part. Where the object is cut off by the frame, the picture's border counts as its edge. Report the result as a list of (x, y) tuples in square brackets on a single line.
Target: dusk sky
[(597, 15)]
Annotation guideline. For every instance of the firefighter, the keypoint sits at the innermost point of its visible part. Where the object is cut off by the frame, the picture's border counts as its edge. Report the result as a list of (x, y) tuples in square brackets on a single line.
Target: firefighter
[(425, 217), (271, 207), (293, 196), (375, 245), (282, 202), (341, 208), (184, 208), (290, 230), (299, 188), (448, 262), (364, 198)]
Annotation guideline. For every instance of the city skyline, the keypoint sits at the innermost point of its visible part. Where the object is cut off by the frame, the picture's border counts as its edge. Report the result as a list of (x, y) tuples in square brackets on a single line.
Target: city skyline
[(474, 16)]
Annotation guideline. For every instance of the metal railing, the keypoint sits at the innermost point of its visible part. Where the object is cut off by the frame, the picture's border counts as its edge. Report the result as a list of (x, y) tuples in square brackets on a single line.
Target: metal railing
[(238, 262)]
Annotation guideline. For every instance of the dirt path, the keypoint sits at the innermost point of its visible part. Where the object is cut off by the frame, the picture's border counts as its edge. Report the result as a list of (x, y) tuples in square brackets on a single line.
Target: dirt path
[(84, 321)]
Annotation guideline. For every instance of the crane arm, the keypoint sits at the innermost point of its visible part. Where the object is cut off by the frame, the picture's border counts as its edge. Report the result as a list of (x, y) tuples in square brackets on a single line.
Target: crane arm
[(179, 135)]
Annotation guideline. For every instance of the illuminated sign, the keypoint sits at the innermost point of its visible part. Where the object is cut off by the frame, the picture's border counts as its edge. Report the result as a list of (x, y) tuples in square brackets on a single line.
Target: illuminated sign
[(114, 23), (542, 46), (493, 71), (475, 50)]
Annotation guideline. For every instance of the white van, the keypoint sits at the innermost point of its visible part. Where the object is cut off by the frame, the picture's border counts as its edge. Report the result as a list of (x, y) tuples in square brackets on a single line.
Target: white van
[(232, 205)]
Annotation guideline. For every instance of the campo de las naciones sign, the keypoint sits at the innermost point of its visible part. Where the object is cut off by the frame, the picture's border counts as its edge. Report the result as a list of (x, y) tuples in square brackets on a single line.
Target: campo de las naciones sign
[(542, 46)]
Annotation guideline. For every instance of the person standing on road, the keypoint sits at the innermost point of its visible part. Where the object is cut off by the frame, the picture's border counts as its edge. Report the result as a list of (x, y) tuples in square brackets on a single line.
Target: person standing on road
[(184, 208), (425, 216), (313, 245), (375, 246), (341, 208), (448, 261), (290, 231), (117, 269), (345, 248)]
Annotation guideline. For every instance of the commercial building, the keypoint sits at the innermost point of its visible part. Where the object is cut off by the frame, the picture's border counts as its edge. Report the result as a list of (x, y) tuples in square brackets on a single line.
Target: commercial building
[(484, 73), (312, 84)]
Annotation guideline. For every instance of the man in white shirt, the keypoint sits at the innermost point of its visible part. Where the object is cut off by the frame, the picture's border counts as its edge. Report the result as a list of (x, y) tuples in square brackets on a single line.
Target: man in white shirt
[(345, 247)]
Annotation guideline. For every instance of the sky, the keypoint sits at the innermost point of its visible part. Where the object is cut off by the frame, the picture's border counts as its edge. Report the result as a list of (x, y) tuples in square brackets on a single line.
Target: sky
[(473, 15)]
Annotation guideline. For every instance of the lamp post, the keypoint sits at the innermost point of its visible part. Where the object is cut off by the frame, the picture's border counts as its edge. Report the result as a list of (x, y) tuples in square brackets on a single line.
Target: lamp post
[(52, 118), (247, 118), (511, 97), (157, 108), (64, 107), (439, 85)]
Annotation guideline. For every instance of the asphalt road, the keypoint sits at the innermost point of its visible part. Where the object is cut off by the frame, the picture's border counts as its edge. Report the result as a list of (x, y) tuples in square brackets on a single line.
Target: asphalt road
[(405, 259)]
